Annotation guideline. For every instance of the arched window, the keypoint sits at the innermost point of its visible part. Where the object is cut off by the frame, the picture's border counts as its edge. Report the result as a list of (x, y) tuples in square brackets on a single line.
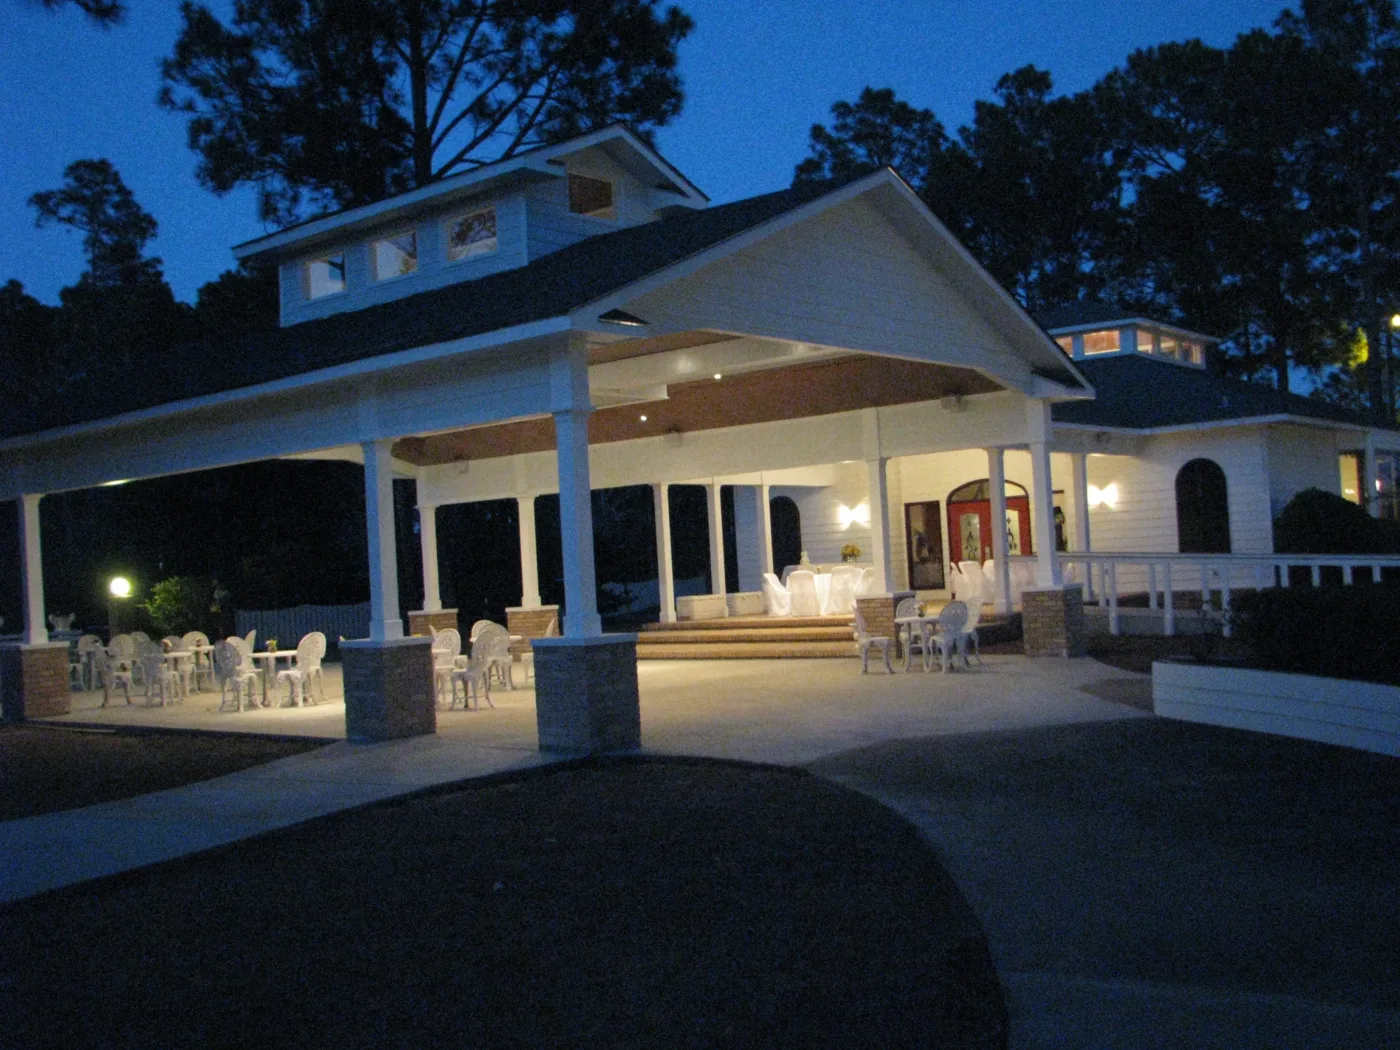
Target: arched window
[(1202, 509), (787, 532)]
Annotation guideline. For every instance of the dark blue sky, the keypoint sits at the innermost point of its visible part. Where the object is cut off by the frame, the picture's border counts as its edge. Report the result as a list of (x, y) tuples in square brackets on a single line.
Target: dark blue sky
[(757, 76)]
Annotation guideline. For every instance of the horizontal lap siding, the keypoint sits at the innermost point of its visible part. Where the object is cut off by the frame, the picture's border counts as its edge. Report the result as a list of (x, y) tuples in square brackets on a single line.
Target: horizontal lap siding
[(844, 278), (822, 533), (1302, 458), (551, 226)]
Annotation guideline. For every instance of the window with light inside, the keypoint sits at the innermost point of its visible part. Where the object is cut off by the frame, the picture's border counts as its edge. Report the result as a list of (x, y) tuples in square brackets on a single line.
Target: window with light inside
[(591, 197), (325, 276), (395, 256), (471, 234), (1101, 342)]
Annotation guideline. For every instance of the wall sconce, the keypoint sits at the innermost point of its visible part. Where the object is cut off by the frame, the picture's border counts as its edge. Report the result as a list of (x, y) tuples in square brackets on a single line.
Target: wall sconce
[(848, 516), (1104, 497)]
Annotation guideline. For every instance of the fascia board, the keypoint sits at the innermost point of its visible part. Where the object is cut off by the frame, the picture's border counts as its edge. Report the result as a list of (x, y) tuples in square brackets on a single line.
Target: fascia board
[(1217, 424)]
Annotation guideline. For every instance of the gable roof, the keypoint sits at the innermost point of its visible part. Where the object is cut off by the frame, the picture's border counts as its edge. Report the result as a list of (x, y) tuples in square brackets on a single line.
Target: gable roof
[(1139, 393)]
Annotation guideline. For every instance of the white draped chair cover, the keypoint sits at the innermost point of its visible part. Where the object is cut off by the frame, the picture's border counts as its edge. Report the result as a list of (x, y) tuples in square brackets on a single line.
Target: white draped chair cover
[(802, 587)]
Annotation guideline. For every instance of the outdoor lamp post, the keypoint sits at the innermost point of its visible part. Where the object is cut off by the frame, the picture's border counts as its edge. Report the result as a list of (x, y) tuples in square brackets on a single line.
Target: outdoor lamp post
[(118, 590)]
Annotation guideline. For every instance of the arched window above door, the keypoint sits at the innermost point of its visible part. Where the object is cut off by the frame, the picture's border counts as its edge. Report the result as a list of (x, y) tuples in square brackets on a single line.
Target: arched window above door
[(976, 491), (1202, 508)]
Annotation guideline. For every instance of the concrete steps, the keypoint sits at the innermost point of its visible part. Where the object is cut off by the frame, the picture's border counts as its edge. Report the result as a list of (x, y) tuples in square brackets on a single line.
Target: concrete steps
[(748, 638)]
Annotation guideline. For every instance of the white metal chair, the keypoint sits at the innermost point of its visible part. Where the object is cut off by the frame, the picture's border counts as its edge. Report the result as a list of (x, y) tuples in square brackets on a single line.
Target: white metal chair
[(305, 669), (105, 671), (474, 676), (251, 638), (865, 641), (841, 599), (160, 677), (122, 649), (140, 636), (203, 665), (447, 647), (802, 590), (230, 668), (476, 629), (184, 669), (777, 601), (495, 641), (945, 639), (89, 645), (969, 634), (914, 639), (245, 656), (527, 658)]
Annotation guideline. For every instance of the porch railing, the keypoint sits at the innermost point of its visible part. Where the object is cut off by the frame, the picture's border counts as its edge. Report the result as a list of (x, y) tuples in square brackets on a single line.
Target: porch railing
[(1107, 576)]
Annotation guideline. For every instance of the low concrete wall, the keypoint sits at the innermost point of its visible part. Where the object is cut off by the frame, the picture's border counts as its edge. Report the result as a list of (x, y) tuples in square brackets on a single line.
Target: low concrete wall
[(1329, 710)]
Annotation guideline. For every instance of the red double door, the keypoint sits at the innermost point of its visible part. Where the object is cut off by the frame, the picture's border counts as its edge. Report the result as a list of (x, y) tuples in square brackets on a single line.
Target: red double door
[(970, 529)]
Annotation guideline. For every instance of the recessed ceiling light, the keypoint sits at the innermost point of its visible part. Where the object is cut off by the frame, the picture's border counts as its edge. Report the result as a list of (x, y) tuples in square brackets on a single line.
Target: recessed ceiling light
[(718, 375), (644, 419)]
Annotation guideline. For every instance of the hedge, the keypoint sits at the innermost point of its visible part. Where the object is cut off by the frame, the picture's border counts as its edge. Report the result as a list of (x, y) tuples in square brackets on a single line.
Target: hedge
[(1334, 632)]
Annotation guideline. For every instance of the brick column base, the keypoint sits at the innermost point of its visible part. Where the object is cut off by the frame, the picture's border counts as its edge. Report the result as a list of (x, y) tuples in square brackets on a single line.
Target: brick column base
[(388, 689), (877, 610), (34, 681), (586, 699), (1052, 621), (530, 623), (419, 621)]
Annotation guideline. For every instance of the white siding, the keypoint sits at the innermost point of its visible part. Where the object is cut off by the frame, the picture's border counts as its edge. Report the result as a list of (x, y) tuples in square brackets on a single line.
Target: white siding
[(823, 535), (1302, 458), (552, 226)]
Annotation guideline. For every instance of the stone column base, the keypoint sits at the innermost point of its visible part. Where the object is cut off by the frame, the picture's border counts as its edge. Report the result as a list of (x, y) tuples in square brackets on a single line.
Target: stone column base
[(1052, 621), (877, 610), (420, 620), (34, 681), (586, 698), (530, 623), (388, 689)]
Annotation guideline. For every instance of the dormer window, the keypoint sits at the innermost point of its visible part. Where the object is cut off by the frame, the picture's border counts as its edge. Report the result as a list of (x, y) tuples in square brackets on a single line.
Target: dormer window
[(325, 276), (591, 197), (1101, 342), (471, 235), (395, 256)]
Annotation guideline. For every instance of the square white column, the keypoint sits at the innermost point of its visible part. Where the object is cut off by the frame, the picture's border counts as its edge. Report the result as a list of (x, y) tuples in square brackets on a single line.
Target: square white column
[(880, 554), (529, 556), (427, 535), (1079, 463), (1047, 567), (32, 578), (576, 525), (765, 529), (665, 574), (716, 539), (385, 624), (1001, 556)]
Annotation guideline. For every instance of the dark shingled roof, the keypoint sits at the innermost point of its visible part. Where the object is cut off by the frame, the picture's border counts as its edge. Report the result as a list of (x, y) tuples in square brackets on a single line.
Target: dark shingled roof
[(1072, 315), (1139, 393), (550, 286)]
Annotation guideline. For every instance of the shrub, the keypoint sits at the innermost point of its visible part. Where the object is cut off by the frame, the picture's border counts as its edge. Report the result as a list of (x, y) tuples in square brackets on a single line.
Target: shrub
[(1335, 632), (1317, 522), (182, 604)]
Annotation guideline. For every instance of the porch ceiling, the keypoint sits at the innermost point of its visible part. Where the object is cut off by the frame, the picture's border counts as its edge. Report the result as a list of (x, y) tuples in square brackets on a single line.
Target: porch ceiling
[(797, 391)]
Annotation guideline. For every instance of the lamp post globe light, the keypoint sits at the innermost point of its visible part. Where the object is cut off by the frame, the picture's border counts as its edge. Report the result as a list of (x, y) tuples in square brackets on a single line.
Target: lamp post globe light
[(118, 590)]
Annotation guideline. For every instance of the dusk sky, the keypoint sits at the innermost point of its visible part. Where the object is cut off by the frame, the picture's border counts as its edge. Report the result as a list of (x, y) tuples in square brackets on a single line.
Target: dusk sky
[(757, 76)]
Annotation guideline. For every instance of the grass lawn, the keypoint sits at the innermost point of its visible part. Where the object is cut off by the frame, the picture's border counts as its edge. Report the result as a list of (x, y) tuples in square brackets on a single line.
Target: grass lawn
[(626, 903), (43, 769)]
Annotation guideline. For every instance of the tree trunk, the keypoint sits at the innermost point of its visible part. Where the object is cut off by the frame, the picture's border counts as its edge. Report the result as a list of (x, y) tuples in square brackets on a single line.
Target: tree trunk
[(418, 92)]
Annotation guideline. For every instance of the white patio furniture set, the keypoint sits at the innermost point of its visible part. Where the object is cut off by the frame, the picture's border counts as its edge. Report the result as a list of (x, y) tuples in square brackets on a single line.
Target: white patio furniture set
[(488, 661), (170, 669), (934, 637), (250, 673)]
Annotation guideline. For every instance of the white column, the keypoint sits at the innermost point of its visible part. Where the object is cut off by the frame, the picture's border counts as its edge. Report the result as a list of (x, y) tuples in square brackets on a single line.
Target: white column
[(384, 622), (716, 539), (427, 535), (529, 556), (32, 579), (576, 525), (1079, 462), (765, 529), (1001, 558), (878, 474), (1370, 471), (665, 576), (1047, 568)]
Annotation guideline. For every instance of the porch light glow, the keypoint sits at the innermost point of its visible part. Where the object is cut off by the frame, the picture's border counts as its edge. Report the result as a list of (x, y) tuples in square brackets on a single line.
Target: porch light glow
[(1104, 497), (719, 375), (1395, 320), (642, 418), (848, 516), (120, 587)]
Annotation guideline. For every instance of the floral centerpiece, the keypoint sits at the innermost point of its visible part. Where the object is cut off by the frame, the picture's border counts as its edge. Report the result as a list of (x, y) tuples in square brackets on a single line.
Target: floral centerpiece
[(850, 552), (272, 645)]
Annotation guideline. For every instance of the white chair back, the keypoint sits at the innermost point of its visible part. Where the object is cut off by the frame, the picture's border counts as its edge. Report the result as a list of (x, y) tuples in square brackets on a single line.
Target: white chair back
[(841, 598), (174, 643), (906, 607), (974, 615), (476, 628), (802, 589), (193, 638), (251, 638), (151, 657), (776, 599), (88, 643), (228, 661), (123, 647), (952, 619), (140, 636)]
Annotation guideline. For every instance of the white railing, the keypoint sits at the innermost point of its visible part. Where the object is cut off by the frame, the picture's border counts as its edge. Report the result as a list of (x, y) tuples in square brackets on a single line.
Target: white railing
[(1106, 576)]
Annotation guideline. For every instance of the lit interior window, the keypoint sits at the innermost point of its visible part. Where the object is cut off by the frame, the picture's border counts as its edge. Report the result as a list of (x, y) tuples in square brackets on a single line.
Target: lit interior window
[(325, 276), (1101, 342), (471, 234), (1168, 346), (1193, 352), (396, 256), (1066, 343), (591, 197)]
